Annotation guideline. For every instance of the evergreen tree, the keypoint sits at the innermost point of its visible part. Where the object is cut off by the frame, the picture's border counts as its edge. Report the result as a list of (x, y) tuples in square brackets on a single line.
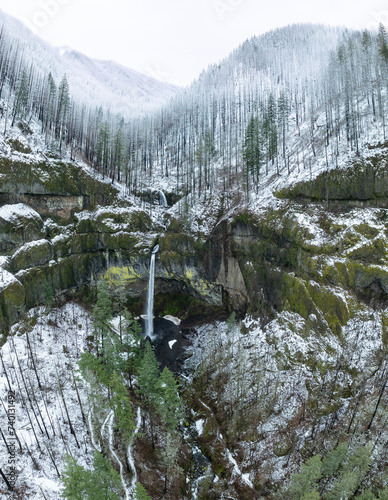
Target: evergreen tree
[(382, 42), (104, 147), (63, 107), (102, 483), (89, 362), (140, 493), (169, 405), (130, 346), (102, 313), (148, 374), (253, 151), (148, 382), (22, 97), (105, 481), (334, 459), (75, 479), (307, 480), (121, 405)]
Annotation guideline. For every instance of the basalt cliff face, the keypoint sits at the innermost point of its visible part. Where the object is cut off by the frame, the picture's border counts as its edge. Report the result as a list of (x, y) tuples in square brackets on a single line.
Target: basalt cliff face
[(63, 227), (308, 272)]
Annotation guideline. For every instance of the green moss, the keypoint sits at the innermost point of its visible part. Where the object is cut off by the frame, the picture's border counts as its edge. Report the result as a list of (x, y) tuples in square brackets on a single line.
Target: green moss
[(296, 296), (119, 276), (332, 306), (374, 252), (32, 256), (12, 299), (283, 447), (18, 146), (56, 178), (366, 230), (365, 181), (304, 298)]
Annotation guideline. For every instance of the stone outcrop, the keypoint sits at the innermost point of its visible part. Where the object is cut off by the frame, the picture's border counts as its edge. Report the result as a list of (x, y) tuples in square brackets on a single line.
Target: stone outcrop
[(304, 261)]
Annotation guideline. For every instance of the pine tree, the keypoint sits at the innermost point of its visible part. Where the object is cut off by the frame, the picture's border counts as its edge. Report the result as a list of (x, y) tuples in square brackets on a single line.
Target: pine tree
[(102, 313), (367, 495), (140, 493), (89, 362), (382, 38), (121, 405), (75, 479), (104, 147), (130, 346), (253, 155), (22, 97), (334, 459), (105, 481), (307, 480), (148, 382), (169, 404), (50, 103), (63, 108)]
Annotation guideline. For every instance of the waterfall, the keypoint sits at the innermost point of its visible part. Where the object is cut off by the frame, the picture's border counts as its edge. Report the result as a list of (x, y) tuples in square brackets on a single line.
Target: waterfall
[(150, 297), (162, 199)]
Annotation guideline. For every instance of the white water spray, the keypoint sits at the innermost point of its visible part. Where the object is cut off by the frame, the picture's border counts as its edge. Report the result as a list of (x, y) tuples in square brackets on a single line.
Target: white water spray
[(150, 297), (162, 199)]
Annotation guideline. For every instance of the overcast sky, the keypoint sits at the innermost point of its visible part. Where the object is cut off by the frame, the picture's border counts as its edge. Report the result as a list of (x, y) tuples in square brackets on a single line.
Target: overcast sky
[(173, 40)]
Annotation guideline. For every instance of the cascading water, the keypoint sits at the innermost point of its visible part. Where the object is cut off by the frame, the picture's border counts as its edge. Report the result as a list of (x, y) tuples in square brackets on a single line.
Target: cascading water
[(150, 297), (162, 199)]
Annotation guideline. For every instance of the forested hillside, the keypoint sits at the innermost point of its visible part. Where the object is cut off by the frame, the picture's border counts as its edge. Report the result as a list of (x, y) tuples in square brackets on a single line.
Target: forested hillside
[(253, 204)]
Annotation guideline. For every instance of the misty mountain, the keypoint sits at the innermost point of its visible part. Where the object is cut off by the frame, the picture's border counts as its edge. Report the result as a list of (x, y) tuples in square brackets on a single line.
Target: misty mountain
[(92, 82)]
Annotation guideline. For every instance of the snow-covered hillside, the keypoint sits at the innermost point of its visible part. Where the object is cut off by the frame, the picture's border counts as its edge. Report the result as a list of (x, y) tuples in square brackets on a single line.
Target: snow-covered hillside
[(92, 82)]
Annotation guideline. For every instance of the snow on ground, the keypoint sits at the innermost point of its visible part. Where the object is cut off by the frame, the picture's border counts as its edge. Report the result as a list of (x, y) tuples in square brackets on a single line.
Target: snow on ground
[(277, 363), (54, 343), (12, 213)]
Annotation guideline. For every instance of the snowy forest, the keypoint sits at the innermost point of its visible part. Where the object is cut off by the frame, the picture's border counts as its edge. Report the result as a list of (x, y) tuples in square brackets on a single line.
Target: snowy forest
[(248, 213), (275, 104)]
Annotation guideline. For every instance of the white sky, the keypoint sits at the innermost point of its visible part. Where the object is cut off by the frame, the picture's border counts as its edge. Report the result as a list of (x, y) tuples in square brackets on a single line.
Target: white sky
[(173, 40)]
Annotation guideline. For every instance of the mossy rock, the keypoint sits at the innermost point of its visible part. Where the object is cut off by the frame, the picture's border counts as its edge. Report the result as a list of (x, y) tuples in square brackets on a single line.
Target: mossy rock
[(283, 447), (19, 224), (373, 252), (12, 301), (30, 255), (362, 181), (55, 179), (306, 298), (113, 220)]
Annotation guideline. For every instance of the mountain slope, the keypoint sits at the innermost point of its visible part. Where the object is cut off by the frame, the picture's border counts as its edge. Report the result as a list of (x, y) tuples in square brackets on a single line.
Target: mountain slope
[(92, 82)]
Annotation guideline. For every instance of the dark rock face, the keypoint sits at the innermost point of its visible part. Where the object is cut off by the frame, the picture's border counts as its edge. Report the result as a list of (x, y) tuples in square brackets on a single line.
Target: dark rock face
[(362, 184), (260, 265), (54, 189)]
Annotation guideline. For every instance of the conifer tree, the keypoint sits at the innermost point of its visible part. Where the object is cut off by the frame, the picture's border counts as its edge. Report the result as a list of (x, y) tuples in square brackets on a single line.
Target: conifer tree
[(22, 97), (75, 479), (102, 313), (169, 404), (253, 151), (102, 483), (148, 382), (148, 374), (63, 108), (130, 346), (140, 493), (121, 405)]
